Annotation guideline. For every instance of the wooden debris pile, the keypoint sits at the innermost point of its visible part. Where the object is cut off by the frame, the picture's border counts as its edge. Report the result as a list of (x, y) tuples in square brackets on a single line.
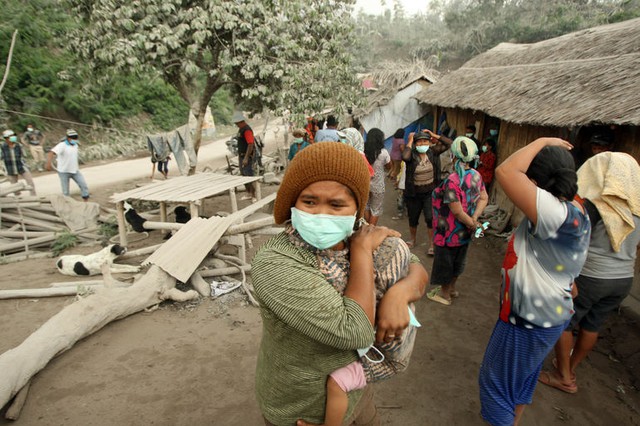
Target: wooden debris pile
[(29, 224)]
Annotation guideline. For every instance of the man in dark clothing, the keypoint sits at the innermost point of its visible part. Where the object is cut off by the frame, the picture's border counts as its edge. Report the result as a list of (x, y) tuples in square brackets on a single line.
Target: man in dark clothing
[(246, 149)]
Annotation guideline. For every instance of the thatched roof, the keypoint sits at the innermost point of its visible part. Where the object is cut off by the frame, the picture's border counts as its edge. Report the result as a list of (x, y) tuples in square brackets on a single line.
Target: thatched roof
[(584, 77), (390, 78)]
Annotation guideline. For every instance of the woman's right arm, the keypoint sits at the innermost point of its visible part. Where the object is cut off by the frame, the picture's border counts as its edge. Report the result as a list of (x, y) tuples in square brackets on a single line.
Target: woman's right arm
[(513, 179), (406, 152)]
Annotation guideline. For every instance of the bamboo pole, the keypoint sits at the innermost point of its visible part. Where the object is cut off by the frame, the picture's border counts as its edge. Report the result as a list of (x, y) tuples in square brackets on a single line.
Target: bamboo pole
[(32, 242)]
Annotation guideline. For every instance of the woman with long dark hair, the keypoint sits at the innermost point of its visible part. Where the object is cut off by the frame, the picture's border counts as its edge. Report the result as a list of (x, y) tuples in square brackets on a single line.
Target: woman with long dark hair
[(380, 160)]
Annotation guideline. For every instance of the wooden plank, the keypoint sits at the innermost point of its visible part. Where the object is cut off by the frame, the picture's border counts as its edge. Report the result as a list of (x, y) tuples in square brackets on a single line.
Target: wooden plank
[(179, 190), (183, 253)]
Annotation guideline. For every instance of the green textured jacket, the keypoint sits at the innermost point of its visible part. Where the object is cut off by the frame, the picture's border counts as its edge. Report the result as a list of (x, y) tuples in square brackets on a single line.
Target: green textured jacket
[(309, 330)]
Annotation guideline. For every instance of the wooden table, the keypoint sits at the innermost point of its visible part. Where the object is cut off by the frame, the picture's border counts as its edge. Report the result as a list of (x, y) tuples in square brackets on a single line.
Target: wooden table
[(192, 190)]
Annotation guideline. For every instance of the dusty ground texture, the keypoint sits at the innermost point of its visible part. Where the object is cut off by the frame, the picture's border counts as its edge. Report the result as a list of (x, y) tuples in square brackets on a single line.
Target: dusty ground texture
[(193, 363)]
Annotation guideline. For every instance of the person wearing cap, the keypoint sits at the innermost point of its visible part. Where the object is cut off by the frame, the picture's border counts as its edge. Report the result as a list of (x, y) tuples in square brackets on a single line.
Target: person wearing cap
[(315, 282), (299, 143), (330, 134), (246, 150), (12, 155), (66, 154), (421, 156), (34, 139), (457, 204)]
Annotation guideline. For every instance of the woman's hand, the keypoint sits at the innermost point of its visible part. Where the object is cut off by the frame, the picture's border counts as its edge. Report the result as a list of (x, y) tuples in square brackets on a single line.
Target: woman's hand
[(392, 316), (558, 142), (369, 237)]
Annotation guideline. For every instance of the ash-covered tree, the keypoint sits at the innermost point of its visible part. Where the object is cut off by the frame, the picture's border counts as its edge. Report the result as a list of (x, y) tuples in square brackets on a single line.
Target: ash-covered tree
[(275, 54)]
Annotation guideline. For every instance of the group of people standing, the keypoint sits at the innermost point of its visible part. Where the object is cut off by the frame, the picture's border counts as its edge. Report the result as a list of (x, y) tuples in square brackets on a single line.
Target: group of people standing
[(336, 291), (65, 153)]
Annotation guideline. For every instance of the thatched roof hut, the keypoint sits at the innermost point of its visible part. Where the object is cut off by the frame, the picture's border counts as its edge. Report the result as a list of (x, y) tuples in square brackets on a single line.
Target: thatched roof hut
[(570, 86), (590, 76)]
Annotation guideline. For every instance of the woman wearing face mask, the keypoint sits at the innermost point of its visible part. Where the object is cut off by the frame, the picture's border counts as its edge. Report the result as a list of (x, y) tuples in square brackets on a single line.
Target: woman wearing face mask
[(315, 285), (487, 162), (299, 143), (421, 156)]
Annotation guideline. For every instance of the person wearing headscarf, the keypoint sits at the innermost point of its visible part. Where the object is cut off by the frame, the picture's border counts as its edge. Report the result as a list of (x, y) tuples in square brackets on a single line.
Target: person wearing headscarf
[(544, 256), (315, 282), (299, 143), (609, 185), (457, 204)]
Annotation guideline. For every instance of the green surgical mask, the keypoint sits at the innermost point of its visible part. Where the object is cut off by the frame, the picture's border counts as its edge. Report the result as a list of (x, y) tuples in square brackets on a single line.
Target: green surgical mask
[(422, 149), (322, 231)]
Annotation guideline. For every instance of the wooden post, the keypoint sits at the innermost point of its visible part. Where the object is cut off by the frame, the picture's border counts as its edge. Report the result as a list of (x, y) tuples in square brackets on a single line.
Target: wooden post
[(122, 225), (193, 209), (163, 214), (258, 188), (234, 200)]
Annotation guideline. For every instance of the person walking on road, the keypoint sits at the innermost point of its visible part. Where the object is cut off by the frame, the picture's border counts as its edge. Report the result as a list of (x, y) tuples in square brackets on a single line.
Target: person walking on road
[(12, 155), (66, 153), (34, 139)]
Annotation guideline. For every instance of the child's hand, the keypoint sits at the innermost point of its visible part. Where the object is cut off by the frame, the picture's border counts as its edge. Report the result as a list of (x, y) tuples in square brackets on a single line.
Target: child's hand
[(370, 237)]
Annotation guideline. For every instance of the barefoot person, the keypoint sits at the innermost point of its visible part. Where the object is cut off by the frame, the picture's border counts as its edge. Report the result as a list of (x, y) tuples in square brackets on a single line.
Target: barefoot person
[(609, 184), (315, 283), (543, 257), (422, 157)]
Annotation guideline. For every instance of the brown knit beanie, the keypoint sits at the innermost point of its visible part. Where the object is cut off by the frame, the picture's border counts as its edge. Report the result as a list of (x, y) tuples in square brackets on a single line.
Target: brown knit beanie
[(322, 161)]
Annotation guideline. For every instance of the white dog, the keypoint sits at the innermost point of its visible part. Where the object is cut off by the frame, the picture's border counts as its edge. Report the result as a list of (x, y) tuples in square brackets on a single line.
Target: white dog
[(91, 264)]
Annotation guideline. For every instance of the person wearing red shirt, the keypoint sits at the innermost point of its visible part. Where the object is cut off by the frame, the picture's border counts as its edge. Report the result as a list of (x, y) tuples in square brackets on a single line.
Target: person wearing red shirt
[(487, 162), (246, 149)]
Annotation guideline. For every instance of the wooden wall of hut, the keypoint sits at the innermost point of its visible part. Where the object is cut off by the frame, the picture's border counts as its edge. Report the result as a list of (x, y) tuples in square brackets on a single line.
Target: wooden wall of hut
[(459, 119)]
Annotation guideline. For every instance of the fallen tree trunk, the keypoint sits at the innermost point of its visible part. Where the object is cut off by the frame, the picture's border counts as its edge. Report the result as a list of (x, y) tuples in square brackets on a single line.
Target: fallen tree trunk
[(79, 320)]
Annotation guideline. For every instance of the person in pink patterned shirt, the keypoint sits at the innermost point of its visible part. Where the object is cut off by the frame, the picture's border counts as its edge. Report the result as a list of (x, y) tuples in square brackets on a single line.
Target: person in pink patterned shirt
[(457, 203)]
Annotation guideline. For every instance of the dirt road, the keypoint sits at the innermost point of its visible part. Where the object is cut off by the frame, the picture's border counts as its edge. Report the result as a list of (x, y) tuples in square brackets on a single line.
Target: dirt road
[(105, 174)]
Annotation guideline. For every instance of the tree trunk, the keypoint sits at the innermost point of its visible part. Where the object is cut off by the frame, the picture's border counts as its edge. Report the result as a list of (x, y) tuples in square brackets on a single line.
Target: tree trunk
[(78, 320), (197, 135)]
